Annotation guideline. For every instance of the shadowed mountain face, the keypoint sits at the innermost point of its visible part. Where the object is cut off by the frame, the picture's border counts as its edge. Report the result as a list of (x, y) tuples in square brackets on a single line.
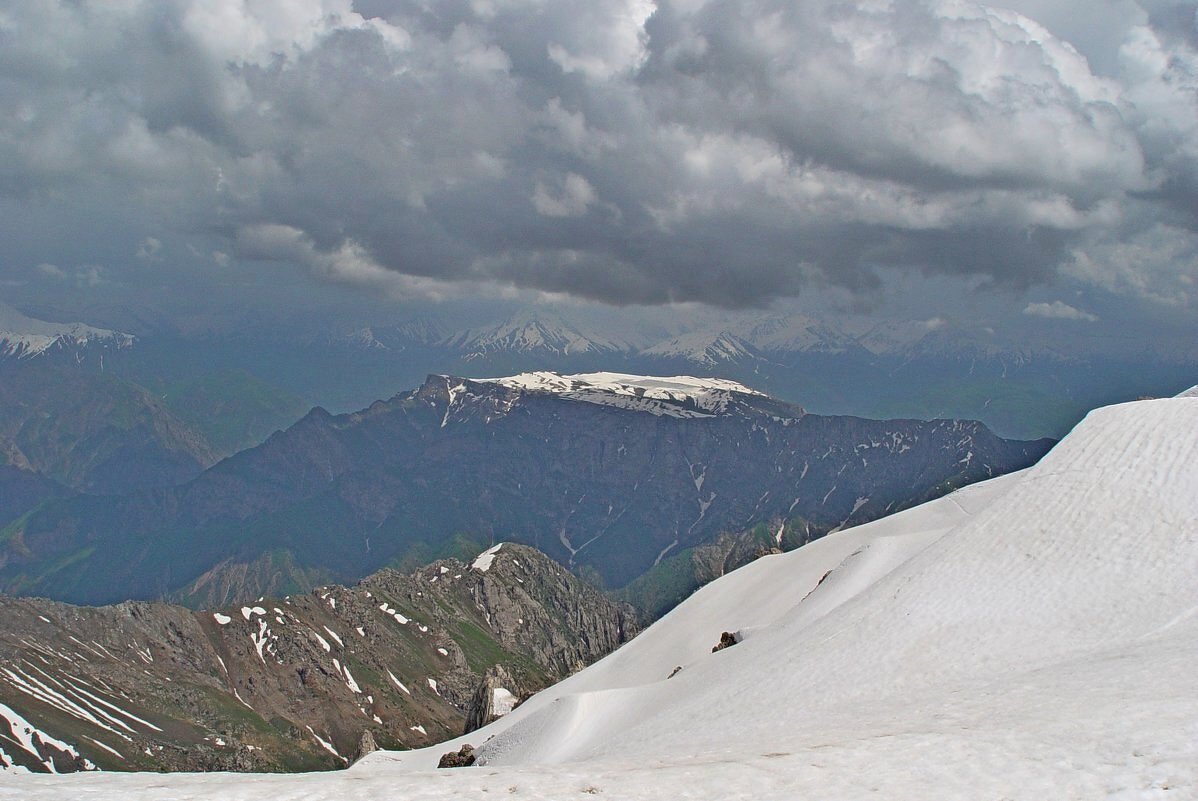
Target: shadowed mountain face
[(297, 682), (22, 489), (92, 431), (606, 474), (100, 433)]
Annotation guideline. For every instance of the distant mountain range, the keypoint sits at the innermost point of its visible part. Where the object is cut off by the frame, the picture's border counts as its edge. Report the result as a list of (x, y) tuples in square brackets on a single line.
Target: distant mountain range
[(830, 363), (610, 474), (72, 421), (838, 364), (548, 333), (23, 337)]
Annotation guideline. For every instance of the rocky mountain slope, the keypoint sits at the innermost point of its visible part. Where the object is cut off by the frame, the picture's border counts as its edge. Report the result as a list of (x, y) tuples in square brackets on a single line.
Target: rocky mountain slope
[(299, 682), (93, 431), (22, 488), (608, 474), (77, 410), (232, 409)]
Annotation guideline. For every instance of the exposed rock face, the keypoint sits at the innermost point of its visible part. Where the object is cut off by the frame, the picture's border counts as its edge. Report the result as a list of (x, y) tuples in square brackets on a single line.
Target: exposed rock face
[(495, 697), (462, 758), (568, 630), (609, 481), (303, 682), (727, 640), (366, 745)]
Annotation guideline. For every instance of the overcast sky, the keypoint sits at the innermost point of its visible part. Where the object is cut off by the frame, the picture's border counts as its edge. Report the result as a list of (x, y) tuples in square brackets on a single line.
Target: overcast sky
[(1039, 157)]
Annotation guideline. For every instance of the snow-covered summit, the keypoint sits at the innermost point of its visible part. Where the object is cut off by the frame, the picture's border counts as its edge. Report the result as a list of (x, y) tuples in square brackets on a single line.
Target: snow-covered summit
[(24, 337), (534, 333), (706, 349), (675, 396)]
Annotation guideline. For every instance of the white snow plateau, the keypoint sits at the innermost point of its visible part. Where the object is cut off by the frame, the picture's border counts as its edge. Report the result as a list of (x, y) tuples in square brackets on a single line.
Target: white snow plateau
[(1030, 637), (675, 396)]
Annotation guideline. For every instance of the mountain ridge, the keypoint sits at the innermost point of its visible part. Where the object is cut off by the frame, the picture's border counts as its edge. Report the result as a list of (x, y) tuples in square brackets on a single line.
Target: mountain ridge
[(606, 489), (296, 682), (24, 338)]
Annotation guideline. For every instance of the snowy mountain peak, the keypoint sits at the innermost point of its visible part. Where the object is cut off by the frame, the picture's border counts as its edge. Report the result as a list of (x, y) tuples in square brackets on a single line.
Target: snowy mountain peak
[(24, 337), (703, 348), (796, 333), (533, 333), (675, 396)]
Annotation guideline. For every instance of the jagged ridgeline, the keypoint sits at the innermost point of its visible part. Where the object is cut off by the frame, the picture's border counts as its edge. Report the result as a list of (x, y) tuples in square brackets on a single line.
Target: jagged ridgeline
[(611, 475), (296, 683)]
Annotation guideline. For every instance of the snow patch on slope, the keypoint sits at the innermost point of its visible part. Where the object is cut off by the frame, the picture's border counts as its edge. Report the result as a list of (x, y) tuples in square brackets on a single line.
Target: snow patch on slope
[(484, 560), (28, 737), (675, 396)]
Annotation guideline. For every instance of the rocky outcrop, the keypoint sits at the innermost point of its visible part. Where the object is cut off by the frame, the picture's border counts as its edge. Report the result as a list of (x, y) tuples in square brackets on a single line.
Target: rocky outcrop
[(727, 640), (498, 693), (304, 681), (366, 745), (462, 758), (569, 630)]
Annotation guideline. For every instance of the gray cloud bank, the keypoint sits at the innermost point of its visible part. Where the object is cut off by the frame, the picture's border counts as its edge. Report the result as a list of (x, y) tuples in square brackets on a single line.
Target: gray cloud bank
[(1058, 310), (627, 151)]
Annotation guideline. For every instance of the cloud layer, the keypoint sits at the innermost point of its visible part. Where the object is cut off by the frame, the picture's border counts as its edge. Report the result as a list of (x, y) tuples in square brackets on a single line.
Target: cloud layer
[(620, 150), (1058, 310)]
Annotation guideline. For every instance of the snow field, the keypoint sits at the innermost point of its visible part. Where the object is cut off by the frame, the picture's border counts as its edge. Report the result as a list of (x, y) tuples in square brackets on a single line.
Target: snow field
[(674, 396)]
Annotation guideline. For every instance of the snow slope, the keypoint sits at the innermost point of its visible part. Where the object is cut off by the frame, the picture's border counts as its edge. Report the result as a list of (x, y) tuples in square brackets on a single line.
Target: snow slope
[(1031, 637), (24, 337), (704, 348)]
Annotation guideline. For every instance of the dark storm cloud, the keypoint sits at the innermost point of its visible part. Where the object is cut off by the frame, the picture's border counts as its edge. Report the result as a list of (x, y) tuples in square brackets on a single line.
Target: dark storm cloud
[(621, 150)]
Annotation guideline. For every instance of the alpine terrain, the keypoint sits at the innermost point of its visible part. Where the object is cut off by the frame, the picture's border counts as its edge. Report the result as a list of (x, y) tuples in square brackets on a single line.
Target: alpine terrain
[(296, 683), (75, 417), (1028, 637), (613, 475)]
